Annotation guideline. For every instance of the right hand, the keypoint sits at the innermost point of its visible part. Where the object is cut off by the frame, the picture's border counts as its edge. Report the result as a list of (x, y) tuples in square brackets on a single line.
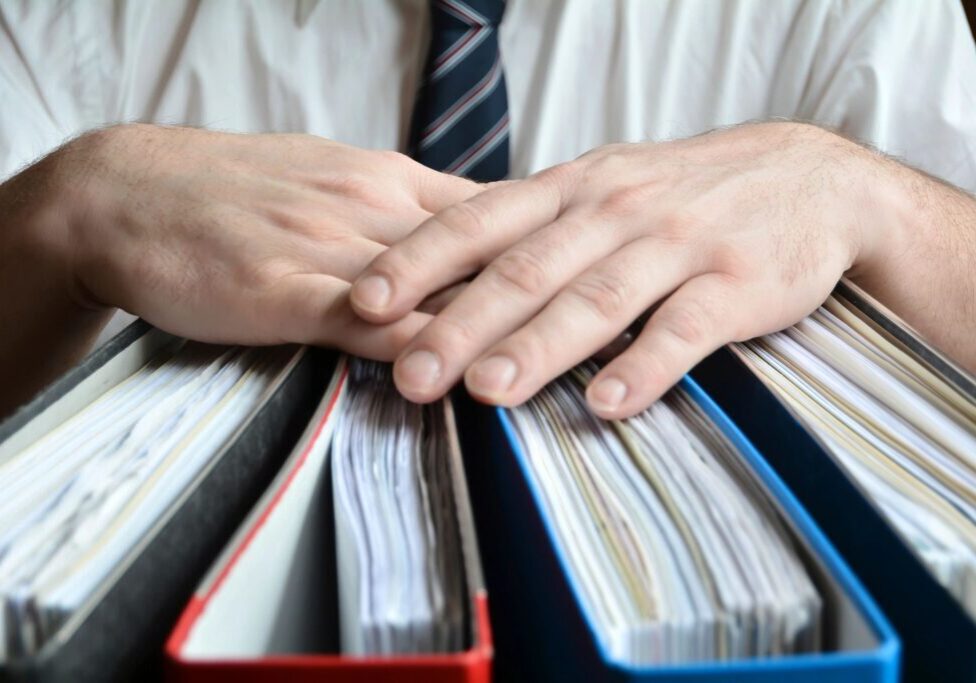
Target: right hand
[(237, 239)]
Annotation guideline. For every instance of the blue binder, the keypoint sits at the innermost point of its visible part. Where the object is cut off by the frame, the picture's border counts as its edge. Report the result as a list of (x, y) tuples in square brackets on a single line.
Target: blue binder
[(939, 637), (542, 632)]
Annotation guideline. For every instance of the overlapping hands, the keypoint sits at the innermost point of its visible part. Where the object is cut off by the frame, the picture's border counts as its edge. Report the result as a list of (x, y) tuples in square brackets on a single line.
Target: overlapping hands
[(256, 239), (725, 236)]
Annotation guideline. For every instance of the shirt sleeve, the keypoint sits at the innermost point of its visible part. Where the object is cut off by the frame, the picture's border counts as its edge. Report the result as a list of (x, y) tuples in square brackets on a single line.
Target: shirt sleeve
[(901, 75), (46, 83)]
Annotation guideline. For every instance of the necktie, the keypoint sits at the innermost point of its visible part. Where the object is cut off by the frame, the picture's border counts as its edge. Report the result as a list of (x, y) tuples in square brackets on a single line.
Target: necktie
[(460, 123)]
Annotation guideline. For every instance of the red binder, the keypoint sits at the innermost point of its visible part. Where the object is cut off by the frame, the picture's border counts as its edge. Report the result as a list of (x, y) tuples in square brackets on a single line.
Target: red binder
[(254, 618)]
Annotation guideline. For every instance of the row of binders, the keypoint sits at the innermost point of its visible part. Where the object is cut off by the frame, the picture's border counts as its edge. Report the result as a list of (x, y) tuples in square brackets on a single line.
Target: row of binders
[(801, 507)]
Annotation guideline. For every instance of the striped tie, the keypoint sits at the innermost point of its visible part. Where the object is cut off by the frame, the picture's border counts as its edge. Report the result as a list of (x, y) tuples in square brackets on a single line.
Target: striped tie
[(460, 123)]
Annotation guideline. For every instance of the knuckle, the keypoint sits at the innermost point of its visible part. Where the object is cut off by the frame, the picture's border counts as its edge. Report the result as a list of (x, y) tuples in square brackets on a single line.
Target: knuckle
[(561, 175), (466, 220), (732, 261), (558, 183), (292, 218), (448, 332), (393, 157), (626, 200), (674, 225), (647, 368), (605, 295), (353, 186), (266, 272), (529, 348), (520, 270), (689, 323), (610, 161)]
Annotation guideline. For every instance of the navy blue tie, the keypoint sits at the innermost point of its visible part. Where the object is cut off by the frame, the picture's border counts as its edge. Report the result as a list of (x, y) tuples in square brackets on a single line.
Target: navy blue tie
[(460, 123)]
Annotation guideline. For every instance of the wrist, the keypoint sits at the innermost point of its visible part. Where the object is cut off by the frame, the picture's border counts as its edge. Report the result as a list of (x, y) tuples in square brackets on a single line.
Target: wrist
[(883, 208), (43, 229), (44, 325)]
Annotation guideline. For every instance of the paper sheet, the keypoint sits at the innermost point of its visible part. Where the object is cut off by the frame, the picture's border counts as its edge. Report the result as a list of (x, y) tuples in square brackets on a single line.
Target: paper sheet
[(677, 556), (907, 435), (77, 501)]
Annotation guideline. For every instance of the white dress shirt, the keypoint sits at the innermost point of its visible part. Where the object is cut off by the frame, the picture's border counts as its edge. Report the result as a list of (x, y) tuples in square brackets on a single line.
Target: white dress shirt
[(900, 74)]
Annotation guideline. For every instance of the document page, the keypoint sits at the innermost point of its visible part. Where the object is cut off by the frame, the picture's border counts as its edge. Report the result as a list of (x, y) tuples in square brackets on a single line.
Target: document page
[(77, 501), (904, 433), (675, 550), (401, 581)]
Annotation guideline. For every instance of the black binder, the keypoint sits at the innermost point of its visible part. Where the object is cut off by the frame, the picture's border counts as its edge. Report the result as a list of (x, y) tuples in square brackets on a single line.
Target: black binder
[(120, 630), (938, 636)]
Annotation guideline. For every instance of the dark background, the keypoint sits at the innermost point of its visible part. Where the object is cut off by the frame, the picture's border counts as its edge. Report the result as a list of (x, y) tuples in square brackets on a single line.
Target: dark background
[(970, 7)]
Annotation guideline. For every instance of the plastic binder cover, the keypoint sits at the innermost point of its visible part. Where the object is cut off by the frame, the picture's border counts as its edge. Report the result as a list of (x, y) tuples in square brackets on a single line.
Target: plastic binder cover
[(267, 610), (541, 632), (938, 636), (121, 629)]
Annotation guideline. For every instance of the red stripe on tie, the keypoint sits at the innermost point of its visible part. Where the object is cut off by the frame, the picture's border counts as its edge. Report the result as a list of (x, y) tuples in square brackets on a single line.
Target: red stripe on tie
[(457, 46), (498, 130), (491, 78), (463, 12)]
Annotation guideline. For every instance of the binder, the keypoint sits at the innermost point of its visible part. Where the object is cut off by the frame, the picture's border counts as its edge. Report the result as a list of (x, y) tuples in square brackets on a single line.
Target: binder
[(541, 632), (276, 580), (120, 630), (938, 636)]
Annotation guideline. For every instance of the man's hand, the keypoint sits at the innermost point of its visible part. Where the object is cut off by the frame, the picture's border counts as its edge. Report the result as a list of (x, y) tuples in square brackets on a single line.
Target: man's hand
[(248, 239), (729, 235)]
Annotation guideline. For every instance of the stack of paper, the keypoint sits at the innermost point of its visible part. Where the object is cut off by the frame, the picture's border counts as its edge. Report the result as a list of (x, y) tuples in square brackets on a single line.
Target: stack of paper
[(676, 551), (77, 501), (401, 582), (906, 434)]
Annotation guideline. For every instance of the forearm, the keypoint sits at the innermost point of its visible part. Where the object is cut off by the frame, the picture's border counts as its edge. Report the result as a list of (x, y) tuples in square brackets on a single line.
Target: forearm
[(925, 268), (45, 324)]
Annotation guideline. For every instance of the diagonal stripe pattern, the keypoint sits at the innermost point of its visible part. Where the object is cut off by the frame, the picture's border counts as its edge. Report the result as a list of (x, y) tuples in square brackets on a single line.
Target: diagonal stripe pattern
[(460, 123)]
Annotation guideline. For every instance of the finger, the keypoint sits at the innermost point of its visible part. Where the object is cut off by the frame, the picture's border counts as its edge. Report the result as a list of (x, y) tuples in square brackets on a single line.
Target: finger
[(625, 338), (377, 342), (386, 225), (702, 315), (454, 243), (506, 295), (438, 301), (314, 309), (436, 191), (323, 215), (616, 346), (343, 259), (589, 313)]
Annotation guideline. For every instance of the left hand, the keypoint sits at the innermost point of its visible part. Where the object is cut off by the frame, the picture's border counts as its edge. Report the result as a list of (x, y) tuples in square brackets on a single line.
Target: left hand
[(731, 235)]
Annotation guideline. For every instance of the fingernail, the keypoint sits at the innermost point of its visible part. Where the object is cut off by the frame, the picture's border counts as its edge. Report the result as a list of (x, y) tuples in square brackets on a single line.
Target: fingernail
[(419, 371), (372, 292), (608, 394), (492, 376)]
